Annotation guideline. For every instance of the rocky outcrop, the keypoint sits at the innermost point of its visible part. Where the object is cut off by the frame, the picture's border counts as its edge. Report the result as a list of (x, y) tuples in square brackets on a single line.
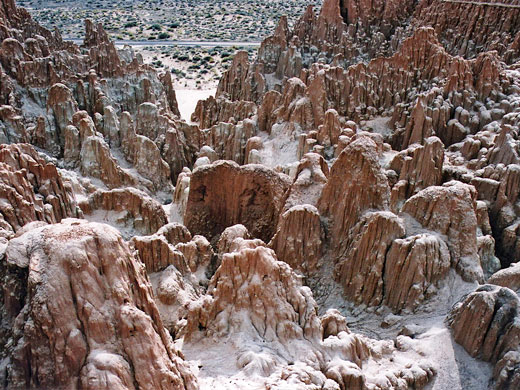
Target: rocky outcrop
[(507, 277), (384, 14), (450, 211), (86, 318), (417, 167), (253, 295), (284, 299), (391, 135), (157, 253), (97, 161), (356, 184), (210, 112), (228, 140), (63, 106), (360, 268), (473, 34), (231, 85), (102, 52), (485, 323), (103, 84), (144, 155), (414, 267), (310, 178), (224, 194), (173, 245), (299, 238), (31, 189), (128, 208)]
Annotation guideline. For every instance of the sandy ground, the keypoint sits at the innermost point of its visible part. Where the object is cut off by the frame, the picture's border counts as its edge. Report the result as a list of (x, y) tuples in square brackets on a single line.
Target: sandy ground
[(188, 98)]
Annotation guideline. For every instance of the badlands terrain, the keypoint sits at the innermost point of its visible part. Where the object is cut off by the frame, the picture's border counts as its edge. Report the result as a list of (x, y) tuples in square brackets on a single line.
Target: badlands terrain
[(159, 21), (343, 214)]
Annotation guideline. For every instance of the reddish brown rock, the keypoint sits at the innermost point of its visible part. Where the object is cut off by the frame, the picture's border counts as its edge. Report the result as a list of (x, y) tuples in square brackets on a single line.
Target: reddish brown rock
[(175, 233), (231, 85), (330, 130), (451, 210), (386, 14), (173, 245), (32, 189), (507, 277), (484, 27), (418, 167), (128, 208), (290, 307), (356, 184), (224, 194), (144, 154), (228, 237), (361, 267), (299, 238), (87, 318), (97, 161), (210, 112), (103, 53), (157, 254), (273, 46), (228, 140), (485, 323), (414, 267)]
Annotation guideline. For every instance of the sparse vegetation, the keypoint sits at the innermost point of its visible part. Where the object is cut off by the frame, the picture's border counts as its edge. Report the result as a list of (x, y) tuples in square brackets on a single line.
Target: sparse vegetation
[(158, 20), (227, 20)]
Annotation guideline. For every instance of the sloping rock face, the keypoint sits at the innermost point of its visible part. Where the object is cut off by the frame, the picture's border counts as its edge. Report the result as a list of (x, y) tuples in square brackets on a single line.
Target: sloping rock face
[(272, 325), (417, 167), (86, 103), (372, 160), (173, 245), (451, 211), (485, 323), (224, 194), (282, 316), (299, 238), (356, 184), (127, 207), (415, 266), (502, 37), (361, 268), (86, 316), (31, 189)]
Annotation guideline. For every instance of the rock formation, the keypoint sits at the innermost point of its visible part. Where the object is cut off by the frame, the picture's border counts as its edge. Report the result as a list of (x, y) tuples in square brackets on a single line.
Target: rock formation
[(86, 316), (251, 195), (356, 184), (31, 189), (434, 208), (485, 323), (357, 177), (299, 238), (126, 207)]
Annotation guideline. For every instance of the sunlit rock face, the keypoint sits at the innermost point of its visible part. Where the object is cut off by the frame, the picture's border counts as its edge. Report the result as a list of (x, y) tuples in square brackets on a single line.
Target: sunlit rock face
[(86, 316), (343, 214)]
